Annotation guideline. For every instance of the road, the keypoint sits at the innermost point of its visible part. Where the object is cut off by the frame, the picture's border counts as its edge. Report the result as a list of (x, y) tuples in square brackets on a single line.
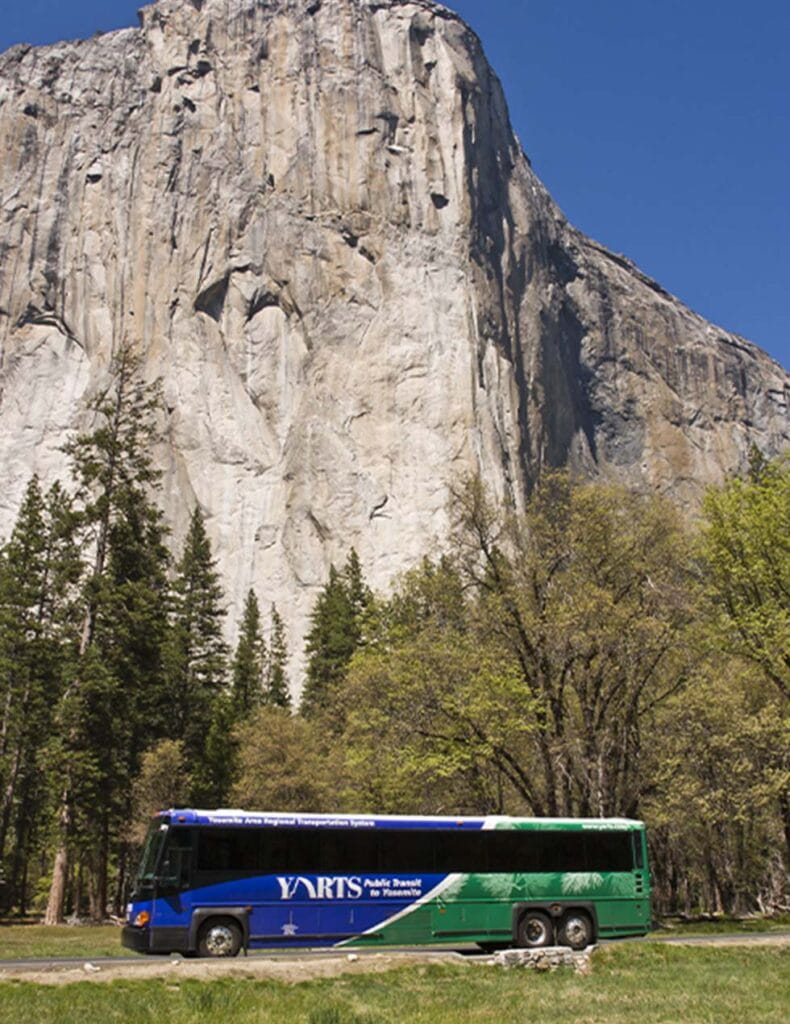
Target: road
[(732, 939), (470, 952)]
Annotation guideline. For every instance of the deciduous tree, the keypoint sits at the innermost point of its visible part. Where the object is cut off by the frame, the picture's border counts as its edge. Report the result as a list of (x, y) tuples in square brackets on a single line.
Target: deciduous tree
[(746, 552), (286, 763)]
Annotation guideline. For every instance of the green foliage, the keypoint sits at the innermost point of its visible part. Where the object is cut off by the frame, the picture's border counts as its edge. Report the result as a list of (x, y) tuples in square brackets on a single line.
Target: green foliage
[(285, 762), (39, 567), (110, 681), (746, 561), (719, 766), (164, 781), (532, 659), (259, 674), (196, 654), (215, 770), (250, 660), (580, 655), (277, 691), (335, 633), (434, 709)]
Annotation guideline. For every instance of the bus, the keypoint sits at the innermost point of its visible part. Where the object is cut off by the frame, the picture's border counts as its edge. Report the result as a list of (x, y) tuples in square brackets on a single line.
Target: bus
[(214, 882)]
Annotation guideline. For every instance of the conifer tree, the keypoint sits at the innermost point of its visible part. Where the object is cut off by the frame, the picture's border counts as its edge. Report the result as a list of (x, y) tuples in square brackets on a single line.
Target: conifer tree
[(249, 661), (335, 633), (115, 667), (215, 772), (37, 566), (359, 593), (277, 691), (196, 653)]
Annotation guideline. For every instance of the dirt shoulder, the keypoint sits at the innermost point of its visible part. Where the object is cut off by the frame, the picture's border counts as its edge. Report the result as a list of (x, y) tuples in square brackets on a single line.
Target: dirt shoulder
[(253, 968)]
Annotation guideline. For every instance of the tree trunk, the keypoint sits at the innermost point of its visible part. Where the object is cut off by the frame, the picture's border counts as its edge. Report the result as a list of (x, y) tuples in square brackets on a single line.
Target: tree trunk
[(57, 890), (78, 889), (120, 885), (99, 907), (23, 890)]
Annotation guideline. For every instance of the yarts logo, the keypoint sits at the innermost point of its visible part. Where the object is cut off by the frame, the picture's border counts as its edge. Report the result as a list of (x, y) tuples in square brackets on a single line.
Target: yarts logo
[(320, 888)]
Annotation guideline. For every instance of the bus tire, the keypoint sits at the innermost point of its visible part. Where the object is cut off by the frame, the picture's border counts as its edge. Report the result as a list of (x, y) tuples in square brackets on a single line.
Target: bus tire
[(219, 936), (534, 930), (576, 930)]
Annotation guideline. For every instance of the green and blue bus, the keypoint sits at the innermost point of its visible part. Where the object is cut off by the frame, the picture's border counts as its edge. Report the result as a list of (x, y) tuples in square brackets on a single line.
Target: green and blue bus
[(213, 882)]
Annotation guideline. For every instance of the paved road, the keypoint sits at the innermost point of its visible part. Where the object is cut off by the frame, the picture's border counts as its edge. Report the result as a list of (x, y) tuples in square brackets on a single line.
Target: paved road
[(465, 952), (735, 938)]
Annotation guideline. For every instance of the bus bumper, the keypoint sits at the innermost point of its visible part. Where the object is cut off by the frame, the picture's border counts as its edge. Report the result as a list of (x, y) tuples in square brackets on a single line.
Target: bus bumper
[(161, 940), (137, 939)]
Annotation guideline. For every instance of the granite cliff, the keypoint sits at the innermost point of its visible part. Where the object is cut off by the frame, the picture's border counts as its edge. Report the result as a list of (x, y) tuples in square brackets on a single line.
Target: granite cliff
[(313, 218)]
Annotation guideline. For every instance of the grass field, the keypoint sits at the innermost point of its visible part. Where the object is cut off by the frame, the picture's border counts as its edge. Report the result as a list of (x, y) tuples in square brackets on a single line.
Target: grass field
[(20, 941), (725, 925), (644, 982)]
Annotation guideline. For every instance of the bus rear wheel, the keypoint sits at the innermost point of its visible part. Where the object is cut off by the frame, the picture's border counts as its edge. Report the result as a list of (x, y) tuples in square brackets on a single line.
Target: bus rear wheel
[(534, 930), (576, 930), (219, 936)]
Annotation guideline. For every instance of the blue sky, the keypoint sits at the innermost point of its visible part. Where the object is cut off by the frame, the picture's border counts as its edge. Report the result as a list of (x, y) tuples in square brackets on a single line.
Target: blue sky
[(662, 127)]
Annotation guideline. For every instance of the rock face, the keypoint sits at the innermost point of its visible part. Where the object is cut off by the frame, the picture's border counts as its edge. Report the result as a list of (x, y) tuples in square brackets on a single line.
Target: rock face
[(314, 219)]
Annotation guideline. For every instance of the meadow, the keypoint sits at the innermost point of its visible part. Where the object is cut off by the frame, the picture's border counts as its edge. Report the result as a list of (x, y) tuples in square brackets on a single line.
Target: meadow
[(648, 982)]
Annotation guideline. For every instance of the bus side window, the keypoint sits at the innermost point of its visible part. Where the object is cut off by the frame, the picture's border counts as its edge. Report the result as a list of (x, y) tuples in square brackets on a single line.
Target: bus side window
[(274, 850), (563, 851), (228, 850), (609, 851)]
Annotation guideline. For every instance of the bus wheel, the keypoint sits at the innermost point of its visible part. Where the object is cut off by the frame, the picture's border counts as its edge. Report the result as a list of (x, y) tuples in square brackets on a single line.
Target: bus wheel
[(219, 936), (534, 930), (576, 930)]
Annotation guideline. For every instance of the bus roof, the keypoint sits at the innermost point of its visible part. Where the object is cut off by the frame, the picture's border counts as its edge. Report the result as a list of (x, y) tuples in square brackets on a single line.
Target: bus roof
[(284, 819)]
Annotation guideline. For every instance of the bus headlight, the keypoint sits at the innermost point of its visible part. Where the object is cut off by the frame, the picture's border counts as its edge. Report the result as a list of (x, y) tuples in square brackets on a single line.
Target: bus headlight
[(142, 919)]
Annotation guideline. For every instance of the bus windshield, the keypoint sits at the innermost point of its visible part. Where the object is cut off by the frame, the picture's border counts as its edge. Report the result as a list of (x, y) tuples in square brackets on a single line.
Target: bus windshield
[(154, 842)]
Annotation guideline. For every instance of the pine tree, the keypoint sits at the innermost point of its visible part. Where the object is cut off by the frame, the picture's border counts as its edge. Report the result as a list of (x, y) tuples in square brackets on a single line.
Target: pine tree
[(359, 593), (335, 633), (249, 661), (111, 679), (277, 690), (37, 566), (215, 773), (196, 653), (22, 571)]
